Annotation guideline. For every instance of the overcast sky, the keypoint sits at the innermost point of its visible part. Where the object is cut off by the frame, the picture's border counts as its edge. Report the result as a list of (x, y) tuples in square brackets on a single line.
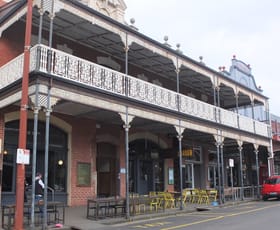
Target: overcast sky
[(217, 30)]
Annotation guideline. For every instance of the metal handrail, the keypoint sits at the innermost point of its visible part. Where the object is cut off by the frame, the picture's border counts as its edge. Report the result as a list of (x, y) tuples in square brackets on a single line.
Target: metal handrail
[(52, 191)]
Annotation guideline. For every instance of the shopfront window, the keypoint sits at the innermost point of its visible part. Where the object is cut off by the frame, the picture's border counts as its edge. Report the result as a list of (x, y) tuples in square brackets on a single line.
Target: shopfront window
[(57, 170)]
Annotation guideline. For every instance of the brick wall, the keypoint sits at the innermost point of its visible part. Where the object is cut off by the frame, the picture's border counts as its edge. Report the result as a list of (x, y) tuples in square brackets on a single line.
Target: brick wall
[(83, 137), (10, 44), (122, 164)]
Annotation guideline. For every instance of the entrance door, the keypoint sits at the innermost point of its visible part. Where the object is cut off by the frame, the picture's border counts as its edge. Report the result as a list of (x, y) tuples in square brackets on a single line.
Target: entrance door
[(213, 176), (107, 168), (188, 176), (145, 182)]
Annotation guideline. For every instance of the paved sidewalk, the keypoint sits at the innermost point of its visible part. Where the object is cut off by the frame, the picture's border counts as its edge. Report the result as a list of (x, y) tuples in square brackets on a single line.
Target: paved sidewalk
[(75, 217)]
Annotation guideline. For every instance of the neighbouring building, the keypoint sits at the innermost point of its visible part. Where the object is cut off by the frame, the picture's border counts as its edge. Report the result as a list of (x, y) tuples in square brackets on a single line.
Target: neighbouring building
[(275, 126), (125, 111)]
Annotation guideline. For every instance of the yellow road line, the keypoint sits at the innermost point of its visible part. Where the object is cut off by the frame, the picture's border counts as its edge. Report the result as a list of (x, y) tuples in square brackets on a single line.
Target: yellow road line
[(252, 210), (154, 224), (193, 223), (219, 217)]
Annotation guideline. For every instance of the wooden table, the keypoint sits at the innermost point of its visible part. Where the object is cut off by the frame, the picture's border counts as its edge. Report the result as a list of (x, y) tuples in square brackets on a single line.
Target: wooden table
[(103, 207)]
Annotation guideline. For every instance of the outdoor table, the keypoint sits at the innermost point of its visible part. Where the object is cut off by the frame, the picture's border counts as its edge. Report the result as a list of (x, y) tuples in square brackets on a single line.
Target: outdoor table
[(137, 203), (95, 206)]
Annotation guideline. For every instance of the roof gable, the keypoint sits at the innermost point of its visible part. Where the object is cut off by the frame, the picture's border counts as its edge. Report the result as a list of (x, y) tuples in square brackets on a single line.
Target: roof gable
[(111, 8)]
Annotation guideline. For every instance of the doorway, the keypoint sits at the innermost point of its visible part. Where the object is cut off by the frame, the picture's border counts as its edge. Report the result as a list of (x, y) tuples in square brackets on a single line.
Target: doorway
[(107, 166), (188, 175), (213, 176)]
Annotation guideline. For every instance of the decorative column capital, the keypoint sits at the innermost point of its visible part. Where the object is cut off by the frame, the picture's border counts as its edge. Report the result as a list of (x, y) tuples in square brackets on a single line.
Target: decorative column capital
[(219, 144), (126, 120), (180, 137), (126, 127), (219, 137), (42, 101), (126, 48), (179, 130), (177, 70)]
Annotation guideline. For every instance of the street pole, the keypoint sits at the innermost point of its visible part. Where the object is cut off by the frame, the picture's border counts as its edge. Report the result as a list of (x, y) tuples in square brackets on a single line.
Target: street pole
[(180, 137), (126, 127), (23, 121)]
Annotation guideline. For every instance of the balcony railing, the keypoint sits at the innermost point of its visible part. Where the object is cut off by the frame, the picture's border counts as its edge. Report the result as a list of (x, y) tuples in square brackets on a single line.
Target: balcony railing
[(87, 73)]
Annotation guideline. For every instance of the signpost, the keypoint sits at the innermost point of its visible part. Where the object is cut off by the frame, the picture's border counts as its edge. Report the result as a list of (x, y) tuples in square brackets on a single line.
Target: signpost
[(23, 156), (231, 165)]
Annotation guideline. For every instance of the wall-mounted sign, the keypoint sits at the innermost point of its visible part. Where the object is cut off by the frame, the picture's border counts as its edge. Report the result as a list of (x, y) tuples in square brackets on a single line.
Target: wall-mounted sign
[(170, 176), (83, 174)]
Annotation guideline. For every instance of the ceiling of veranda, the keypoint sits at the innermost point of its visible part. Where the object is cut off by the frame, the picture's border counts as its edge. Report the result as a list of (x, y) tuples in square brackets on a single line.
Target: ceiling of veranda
[(73, 27)]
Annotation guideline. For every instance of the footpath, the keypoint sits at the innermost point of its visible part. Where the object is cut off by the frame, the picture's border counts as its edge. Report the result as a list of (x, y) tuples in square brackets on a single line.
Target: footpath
[(75, 217)]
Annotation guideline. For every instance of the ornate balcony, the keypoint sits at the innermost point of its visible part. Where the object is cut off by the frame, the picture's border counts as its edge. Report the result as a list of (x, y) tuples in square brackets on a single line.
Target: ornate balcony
[(87, 73)]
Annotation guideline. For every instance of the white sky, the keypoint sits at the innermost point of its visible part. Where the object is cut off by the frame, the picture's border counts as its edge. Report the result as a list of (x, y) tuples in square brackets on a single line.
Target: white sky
[(217, 30)]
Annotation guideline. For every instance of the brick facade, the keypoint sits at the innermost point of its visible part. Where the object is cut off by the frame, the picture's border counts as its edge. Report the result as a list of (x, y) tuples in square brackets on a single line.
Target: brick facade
[(83, 150), (10, 45)]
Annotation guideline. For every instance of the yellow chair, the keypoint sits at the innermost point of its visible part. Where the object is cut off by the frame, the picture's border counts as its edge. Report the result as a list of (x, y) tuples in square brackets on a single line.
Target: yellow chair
[(203, 197), (195, 196), (154, 204), (152, 193), (212, 193), (186, 197), (169, 200)]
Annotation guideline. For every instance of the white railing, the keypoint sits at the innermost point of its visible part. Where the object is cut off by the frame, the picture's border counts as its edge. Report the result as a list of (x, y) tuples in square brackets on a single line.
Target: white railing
[(262, 128), (81, 71), (246, 123), (229, 118), (78, 70), (144, 91), (11, 72), (196, 108)]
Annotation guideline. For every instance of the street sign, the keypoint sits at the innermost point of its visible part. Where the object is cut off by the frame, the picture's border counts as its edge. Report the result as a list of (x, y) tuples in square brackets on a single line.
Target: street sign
[(23, 156)]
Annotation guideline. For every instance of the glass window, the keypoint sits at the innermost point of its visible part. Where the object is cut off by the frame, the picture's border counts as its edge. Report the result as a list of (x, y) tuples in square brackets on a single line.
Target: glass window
[(57, 155)]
